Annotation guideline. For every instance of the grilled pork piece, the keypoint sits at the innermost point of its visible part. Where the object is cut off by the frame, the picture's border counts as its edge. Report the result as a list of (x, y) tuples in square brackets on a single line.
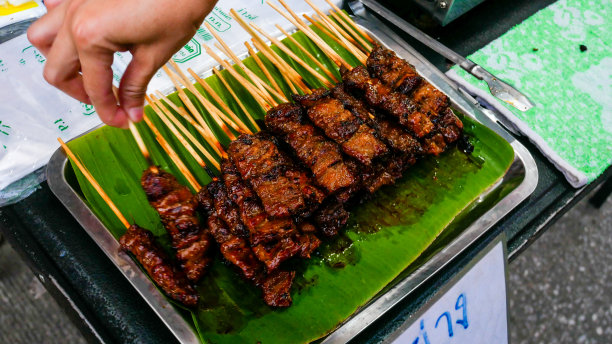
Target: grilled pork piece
[(330, 218), (382, 97), (356, 138), (284, 189), (392, 134), (275, 285), (396, 73), (320, 155), (272, 239), (172, 281), (231, 239), (177, 206), (393, 71)]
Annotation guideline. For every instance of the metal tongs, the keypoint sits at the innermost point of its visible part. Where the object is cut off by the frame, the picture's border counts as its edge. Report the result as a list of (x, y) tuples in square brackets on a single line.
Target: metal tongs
[(498, 87)]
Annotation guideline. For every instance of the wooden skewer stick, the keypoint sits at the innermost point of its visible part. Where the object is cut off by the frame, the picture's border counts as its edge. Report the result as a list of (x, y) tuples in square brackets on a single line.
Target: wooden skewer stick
[(330, 25), (159, 112), (194, 111), (218, 99), (254, 91), (206, 133), (213, 110), (325, 30), (172, 154), (236, 98), (285, 71), (186, 132), (94, 183), (263, 47), (338, 60), (257, 81), (262, 66), (217, 115), (292, 55), (266, 89), (236, 123), (355, 48), (349, 30), (285, 76), (310, 56), (140, 142), (350, 21)]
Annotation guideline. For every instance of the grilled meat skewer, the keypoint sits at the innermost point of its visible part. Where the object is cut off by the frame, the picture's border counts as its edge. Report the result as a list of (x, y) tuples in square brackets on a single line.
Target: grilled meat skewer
[(177, 207), (322, 156), (402, 77), (272, 239), (276, 285), (284, 189), (382, 97), (172, 281), (356, 138)]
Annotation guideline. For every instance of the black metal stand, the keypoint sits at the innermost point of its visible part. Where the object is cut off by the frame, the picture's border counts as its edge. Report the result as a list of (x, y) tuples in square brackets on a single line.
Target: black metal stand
[(602, 194)]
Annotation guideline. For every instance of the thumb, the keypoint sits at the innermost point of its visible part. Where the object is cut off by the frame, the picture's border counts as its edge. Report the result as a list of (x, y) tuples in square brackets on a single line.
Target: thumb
[(133, 86)]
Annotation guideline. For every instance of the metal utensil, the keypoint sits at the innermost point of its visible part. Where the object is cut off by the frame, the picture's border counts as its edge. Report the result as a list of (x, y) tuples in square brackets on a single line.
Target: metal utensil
[(498, 87)]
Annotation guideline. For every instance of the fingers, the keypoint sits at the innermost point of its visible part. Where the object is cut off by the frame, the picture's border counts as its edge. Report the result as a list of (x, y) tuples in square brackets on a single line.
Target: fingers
[(62, 67), (134, 83), (98, 79), (52, 4), (43, 32)]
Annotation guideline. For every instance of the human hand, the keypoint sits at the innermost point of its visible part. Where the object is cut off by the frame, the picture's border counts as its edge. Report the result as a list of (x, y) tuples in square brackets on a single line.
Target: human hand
[(80, 37)]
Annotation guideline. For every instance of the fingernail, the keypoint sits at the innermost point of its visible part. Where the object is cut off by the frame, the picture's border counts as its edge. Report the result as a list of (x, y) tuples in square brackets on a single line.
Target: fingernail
[(135, 114)]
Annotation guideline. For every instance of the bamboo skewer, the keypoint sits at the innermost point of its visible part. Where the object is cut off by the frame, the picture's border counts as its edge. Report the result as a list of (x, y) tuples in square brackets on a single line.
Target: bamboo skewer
[(257, 82), (165, 115), (272, 60), (266, 89), (94, 183), (348, 29), (140, 142), (194, 111), (225, 48), (236, 98), (291, 54), (218, 116), (173, 156), (254, 91), (311, 34), (175, 132), (335, 29), (325, 29), (218, 99), (235, 124), (207, 135), (262, 66), (307, 53), (330, 25), (263, 47), (340, 32), (284, 70), (350, 21)]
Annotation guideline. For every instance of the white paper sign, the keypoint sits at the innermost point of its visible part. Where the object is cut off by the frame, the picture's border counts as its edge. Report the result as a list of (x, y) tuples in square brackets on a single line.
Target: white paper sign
[(472, 311)]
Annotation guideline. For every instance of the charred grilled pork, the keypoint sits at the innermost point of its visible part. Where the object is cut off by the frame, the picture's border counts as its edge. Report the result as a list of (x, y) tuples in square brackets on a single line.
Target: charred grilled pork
[(283, 188), (177, 208), (172, 281)]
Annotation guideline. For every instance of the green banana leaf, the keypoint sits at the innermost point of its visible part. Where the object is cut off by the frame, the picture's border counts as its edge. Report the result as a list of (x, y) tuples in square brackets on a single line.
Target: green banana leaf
[(385, 235)]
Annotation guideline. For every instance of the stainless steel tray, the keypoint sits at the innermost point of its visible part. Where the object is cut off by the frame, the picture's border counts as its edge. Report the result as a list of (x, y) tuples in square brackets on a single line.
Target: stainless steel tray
[(491, 206)]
